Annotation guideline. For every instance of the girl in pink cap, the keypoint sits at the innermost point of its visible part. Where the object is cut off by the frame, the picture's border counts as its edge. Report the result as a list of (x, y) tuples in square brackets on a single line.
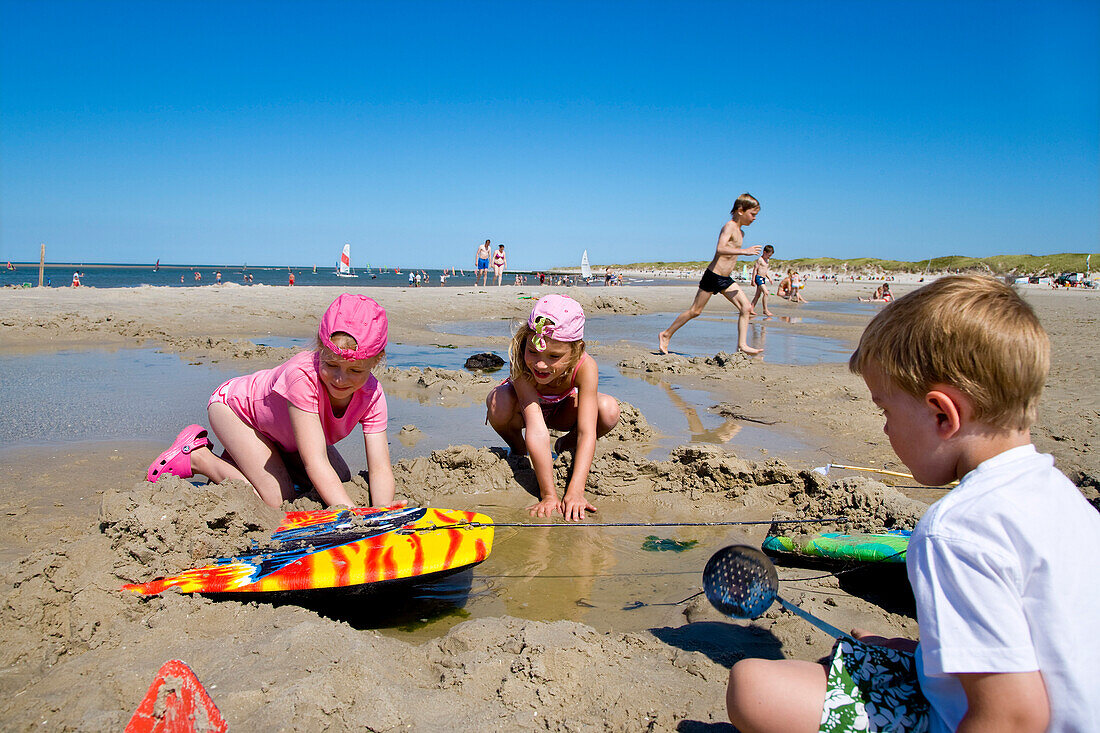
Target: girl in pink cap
[(553, 384), (279, 423)]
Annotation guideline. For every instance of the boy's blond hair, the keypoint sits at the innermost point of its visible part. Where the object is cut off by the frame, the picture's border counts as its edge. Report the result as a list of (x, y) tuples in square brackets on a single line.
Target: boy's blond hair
[(517, 351), (744, 202), (970, 332)]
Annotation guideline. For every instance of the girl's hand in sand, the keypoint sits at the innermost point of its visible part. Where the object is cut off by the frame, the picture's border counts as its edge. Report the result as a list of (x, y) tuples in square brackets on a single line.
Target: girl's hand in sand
[(899, 643), (574, 507), (545, 508)]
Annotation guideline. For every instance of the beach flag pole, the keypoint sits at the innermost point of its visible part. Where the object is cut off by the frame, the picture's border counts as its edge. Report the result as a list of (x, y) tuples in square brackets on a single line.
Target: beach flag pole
[(41, 264)]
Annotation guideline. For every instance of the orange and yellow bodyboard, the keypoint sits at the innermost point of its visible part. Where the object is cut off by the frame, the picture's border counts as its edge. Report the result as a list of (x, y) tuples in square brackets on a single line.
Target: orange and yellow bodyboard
[(339, 548)]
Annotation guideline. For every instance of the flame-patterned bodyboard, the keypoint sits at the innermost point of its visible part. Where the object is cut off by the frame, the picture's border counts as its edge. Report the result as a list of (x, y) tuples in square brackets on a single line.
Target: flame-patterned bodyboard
[(340, 548)]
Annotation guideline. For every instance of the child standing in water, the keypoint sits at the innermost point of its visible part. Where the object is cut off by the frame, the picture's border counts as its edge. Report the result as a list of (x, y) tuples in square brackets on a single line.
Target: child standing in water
[(277, 423), (760, 276), (553, 384), (1003, 567), (716, 278)]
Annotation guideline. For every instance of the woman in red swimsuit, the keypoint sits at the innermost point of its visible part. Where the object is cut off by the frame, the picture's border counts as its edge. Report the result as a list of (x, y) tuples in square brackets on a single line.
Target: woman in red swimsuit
[(553, 384)]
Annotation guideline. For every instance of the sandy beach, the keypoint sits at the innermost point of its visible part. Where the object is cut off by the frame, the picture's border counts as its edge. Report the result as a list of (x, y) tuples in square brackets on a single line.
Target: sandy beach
[(552, 636)]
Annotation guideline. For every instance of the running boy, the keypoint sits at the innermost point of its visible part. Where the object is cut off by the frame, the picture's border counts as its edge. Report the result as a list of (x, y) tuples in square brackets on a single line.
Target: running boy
[(1005, 608), (760, 276), (716, 279)]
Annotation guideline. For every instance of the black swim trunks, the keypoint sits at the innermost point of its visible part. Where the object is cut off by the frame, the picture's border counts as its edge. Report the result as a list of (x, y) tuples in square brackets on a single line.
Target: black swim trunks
[(714, 283)]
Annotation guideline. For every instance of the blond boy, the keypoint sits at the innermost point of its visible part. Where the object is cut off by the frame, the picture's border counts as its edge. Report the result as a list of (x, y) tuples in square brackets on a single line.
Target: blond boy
[(1005, 604), (716, 278)]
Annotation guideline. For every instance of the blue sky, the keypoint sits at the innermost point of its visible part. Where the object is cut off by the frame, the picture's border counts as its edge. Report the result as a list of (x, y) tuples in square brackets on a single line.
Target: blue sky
[(273, 132)]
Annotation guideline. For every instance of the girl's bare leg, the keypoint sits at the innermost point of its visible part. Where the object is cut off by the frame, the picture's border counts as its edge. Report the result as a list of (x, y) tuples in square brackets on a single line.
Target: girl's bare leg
[(566, 419), (785, 696), (300, 476), (502, 411), (256, 460)]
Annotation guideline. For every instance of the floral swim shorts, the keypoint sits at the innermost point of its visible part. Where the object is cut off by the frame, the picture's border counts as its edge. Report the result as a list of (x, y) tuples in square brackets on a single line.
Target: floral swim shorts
[(873, 688)]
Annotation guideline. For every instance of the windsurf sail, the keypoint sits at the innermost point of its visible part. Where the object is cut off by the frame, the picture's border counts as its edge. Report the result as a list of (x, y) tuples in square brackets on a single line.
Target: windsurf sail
[(156, 267), (586, 269), (344, 268)]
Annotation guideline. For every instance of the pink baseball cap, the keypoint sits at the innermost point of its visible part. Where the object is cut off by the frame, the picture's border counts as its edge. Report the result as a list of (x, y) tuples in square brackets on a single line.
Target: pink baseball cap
[(361, 318), (558, 317)]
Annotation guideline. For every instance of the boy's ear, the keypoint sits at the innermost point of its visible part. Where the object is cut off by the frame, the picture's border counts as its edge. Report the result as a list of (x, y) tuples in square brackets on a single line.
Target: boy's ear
[(950, 408)]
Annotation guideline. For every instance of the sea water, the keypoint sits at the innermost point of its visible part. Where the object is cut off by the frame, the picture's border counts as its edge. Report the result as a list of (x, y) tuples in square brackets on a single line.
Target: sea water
[(131, 276)]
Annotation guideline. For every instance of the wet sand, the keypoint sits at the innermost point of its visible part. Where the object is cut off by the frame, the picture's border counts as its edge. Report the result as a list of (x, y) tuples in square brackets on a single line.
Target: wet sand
[(559, 628)]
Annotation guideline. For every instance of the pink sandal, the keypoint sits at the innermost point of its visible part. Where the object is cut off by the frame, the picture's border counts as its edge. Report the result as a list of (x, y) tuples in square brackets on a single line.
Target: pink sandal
[(177, 459)]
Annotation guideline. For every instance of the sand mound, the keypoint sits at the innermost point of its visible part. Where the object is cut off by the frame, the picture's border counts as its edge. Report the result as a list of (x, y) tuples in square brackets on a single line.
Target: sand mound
[(701, 471), (612, 304), (167, 527), (676, 364), (445, 386)]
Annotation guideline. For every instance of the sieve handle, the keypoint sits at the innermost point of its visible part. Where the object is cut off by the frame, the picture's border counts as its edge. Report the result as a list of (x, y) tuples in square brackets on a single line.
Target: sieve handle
[(806, 615)]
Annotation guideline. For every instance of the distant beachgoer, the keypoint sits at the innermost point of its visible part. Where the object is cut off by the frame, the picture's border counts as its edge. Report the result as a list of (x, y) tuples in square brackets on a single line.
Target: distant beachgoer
[(607, 277), (181, 278), (280, 426), (760, 276), (499, 263), (76, 280), (716, 278), (290, 279), (198, 276), (218, 277), (419, 278), (482, 262), (797, 284), (784, 288), (553, 384), (882, 294)]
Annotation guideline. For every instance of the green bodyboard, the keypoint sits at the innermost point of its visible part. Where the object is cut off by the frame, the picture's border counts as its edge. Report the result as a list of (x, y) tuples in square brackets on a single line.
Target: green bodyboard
[(886, 547)]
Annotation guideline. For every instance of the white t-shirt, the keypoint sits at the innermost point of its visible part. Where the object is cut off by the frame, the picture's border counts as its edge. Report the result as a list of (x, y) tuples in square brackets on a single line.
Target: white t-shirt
[(1006, 573)]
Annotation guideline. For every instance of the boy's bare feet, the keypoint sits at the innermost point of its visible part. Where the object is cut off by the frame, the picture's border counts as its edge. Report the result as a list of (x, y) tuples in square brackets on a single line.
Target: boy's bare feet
[(662, 342), (769, 314), (750, 350)]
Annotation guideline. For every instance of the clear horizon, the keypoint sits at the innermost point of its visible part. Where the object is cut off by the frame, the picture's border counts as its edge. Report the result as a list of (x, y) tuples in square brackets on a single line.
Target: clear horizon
[(273, 132)]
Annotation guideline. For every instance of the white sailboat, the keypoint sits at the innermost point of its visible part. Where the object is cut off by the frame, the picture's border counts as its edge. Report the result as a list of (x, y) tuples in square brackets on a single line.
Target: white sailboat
[(586, 269), (344, 268)]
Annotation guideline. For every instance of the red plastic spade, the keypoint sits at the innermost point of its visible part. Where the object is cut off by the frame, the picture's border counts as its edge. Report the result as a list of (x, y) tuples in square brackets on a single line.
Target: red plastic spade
[(176, 703)]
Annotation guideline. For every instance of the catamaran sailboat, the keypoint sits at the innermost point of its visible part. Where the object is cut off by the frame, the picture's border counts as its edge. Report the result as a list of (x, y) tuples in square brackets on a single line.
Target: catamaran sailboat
[(344, 268)]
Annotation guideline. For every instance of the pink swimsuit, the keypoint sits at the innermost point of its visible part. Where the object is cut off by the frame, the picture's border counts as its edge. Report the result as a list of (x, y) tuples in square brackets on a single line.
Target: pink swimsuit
[(549, 402), (261, 400)]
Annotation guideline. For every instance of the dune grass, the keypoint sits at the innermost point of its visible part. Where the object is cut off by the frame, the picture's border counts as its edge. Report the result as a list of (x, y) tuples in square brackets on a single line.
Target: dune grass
[(997, 264)]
